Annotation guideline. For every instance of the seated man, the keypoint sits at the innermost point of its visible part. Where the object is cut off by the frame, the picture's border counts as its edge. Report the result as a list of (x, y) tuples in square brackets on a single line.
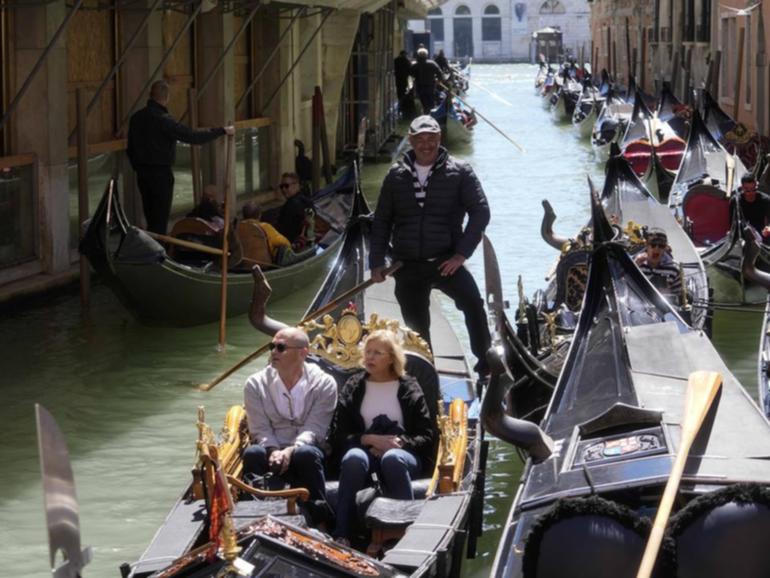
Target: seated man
[(658, 265), (291, 217), (755, 207), (280, 248), (209, 209), (289, 407)]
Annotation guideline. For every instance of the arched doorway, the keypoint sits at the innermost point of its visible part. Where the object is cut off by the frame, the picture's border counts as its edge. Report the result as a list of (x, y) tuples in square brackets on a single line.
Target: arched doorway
[(462, 25)]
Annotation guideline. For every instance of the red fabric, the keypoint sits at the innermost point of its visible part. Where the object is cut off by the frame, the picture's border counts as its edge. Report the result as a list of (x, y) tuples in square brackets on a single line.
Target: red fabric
[(710, 216), (219, 506), (638, 155), (670, 152)]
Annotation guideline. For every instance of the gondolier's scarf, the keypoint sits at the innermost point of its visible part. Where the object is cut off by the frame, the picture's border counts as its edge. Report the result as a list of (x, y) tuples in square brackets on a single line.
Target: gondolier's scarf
[(419, 188)]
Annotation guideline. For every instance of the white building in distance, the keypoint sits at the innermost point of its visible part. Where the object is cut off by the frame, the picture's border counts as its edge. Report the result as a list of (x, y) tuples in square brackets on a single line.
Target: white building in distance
[(501, 30)]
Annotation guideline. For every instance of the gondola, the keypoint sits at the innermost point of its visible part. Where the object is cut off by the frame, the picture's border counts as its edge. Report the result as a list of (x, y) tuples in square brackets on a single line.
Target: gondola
[(700, 196), (587, 110), (424, 537), (537, 343), (598, 461), (645, 134), (564, 100), (159, 289), (732, 135), (457, 120), (611, 123)]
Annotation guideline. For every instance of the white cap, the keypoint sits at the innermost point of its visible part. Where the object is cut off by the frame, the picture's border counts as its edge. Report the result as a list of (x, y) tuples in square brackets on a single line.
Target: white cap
[(424, 123)]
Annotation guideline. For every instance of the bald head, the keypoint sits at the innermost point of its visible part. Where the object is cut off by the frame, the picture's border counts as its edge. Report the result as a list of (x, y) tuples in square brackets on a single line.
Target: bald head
[(159, 91), (293, 336)]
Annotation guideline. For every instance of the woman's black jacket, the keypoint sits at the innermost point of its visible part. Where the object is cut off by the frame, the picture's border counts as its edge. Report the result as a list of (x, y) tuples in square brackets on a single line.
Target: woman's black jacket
[(420, 437)]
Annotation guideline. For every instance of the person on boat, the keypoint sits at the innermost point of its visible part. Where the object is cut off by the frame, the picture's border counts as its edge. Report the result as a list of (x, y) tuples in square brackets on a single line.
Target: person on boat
[(382, 425), (401, 68), (289, 407), (755, 207), (658, 265), (442, 61), (209, 209), (293, 213), (152, 137), (423, 202), (279, 246), (427, 75), (302, 164)]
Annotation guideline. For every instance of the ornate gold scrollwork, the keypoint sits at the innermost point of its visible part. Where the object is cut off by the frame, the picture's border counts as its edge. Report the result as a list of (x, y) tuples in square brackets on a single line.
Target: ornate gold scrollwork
[(339, 342), (634, 232)]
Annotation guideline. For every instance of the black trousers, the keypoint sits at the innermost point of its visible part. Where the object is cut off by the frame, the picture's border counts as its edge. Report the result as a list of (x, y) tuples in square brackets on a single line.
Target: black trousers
[(427, 96), (156, 186), (414, 282)]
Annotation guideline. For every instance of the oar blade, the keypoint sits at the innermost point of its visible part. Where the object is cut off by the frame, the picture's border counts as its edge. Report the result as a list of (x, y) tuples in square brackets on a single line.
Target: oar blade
[(61, 503), (702, 388)]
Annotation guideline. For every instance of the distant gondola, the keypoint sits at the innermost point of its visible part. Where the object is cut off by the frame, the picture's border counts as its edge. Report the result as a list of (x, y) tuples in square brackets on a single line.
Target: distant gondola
[(611, 123), (160, 289), (605, 448)]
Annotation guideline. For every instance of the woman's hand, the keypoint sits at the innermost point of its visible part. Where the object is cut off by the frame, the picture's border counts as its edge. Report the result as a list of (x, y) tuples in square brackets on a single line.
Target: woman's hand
[(379, 444)]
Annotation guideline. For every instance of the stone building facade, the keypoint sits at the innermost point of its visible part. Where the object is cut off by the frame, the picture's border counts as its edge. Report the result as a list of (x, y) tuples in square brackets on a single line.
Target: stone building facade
[(501, 30)]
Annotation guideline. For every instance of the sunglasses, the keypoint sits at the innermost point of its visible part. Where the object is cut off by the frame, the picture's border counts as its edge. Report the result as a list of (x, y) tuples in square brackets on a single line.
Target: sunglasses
[(658, 245), (285, 185), (281, 347)]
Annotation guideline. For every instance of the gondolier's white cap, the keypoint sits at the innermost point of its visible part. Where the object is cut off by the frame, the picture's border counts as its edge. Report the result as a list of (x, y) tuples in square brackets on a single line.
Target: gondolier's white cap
[(424, 123)]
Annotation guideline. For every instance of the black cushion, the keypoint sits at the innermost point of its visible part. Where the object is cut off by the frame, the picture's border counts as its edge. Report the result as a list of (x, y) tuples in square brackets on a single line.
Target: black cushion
[(390, 513), (425, 374)]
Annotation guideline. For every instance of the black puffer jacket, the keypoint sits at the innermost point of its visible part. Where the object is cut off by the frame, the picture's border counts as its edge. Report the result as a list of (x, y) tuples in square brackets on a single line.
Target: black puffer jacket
[(436, 229), (425, 73), (152, 136), (421, 434)]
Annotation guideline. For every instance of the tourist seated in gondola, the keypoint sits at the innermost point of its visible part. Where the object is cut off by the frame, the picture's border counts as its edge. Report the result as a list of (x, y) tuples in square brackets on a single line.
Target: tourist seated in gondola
[(260, 239), (658, 265), (209, 209), (289, 406), (294, 212), (382, 426), (755, 207)]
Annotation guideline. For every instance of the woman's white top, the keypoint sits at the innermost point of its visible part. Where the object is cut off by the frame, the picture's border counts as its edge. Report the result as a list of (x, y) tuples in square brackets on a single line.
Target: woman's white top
[(381, 397)]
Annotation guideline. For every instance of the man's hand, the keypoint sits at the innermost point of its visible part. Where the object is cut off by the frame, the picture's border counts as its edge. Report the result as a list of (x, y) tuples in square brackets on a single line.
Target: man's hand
[(378, 275), (280, 459), (229, 130), (379, 444), (451, 265)]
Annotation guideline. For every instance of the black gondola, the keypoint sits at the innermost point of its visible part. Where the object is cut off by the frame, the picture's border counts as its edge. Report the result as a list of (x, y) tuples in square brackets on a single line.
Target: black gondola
[(605, 448)]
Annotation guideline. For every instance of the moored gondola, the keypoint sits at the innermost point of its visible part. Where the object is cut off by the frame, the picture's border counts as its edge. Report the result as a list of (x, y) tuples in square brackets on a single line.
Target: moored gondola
[(421, 537), (605, 448), (587, 110), (160, 289), (611, 123)]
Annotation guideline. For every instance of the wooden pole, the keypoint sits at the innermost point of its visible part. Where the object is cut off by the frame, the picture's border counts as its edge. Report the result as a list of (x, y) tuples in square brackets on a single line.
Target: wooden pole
[(195, 155), (686, 92), (83, 213), (324, 139), (629, 67), (674, 70), (634, 56), (316, 136), (710, 73), (739, 74), (643, 63), (714, 88), (225, 249)]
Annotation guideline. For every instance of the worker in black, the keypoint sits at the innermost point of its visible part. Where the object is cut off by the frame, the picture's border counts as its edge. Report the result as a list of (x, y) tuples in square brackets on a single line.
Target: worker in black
[(755, 207), (441, 60), (423, 202), (152, 137), (401, 68), (427, 75)]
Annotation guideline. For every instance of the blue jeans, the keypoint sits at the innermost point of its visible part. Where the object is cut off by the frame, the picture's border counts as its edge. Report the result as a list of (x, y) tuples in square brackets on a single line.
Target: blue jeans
[(306, 468), (395, 470)]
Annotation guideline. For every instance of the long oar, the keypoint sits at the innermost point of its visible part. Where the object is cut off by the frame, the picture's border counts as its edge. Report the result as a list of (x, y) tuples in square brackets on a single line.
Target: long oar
[(485, 119), (702, 388), (315, 314), (225, 249), (491, 93)]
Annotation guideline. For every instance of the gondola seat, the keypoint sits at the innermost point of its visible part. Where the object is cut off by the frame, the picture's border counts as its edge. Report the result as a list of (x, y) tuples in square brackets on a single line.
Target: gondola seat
[(586, 538), (708, 209), (195, 230), (722, 534), (254, 244)]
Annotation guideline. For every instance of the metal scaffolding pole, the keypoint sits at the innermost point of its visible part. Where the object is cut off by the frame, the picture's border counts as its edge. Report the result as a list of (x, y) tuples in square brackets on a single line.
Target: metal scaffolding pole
[(270, 57), (39, 63), (161, 64), (296, 61)]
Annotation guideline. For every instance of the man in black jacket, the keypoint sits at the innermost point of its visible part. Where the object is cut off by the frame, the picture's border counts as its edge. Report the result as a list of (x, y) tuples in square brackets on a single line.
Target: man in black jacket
[(427, 75), (152, 136), (422, 205)]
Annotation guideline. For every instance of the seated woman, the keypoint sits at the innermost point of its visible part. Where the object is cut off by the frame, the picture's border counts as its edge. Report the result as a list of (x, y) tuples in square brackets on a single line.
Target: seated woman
[(279, 246), (209, 209), (382, 425)]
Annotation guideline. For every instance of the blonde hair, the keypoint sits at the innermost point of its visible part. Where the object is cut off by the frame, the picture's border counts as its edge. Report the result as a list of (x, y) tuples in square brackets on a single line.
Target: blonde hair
[(393, 345)]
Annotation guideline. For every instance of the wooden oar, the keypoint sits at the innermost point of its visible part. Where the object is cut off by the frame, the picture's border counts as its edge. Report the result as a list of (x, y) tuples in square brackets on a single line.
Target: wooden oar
[(225, 252), (702, 388), (314, 315), (485, 119), (186, 244)]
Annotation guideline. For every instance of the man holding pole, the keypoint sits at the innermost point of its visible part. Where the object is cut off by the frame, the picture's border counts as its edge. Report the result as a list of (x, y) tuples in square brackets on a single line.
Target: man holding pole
[(152, 137), (422, 205)]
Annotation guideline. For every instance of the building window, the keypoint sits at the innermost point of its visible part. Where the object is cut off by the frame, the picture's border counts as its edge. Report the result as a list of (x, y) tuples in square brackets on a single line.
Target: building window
[(435, 24), (463, 32), (552, 7), (688, 21), (491, 30), (462, 10), (703, 28)]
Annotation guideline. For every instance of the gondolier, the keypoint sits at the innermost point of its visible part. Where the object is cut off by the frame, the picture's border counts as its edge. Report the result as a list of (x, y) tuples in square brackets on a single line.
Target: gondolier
[(422, 205), (152, 137)]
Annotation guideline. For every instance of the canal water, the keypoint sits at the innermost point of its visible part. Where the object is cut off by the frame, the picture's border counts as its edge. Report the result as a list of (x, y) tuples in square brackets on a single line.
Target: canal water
[(125, 395)]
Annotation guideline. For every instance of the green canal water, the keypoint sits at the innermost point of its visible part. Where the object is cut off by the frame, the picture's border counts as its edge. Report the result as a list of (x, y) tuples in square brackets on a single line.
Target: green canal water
[(125, 394)]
